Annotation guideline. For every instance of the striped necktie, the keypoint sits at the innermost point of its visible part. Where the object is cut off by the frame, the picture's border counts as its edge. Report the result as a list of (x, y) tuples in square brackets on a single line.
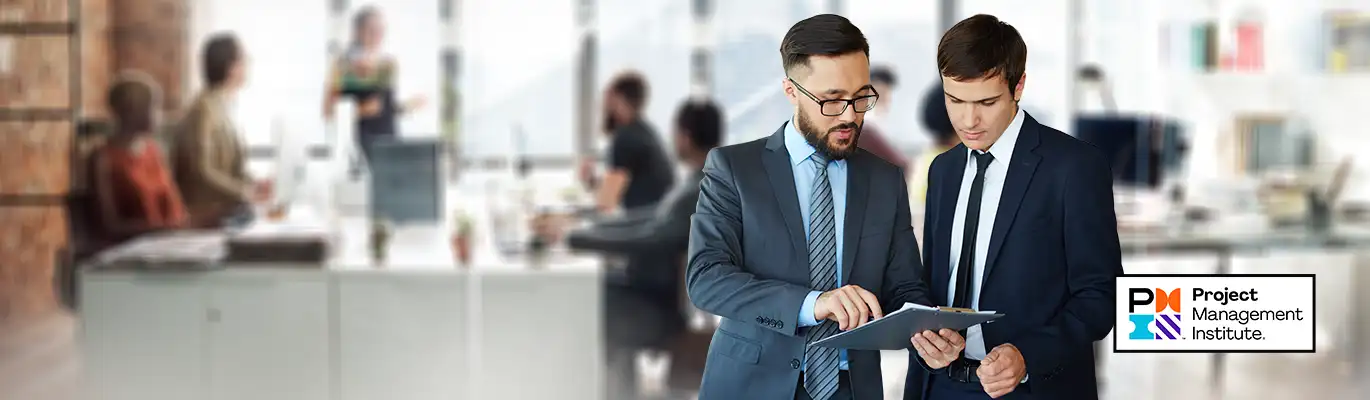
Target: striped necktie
[(821, 363)]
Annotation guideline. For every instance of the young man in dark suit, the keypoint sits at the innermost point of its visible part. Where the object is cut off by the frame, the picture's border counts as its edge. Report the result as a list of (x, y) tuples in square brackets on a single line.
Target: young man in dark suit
[(1019, 220)]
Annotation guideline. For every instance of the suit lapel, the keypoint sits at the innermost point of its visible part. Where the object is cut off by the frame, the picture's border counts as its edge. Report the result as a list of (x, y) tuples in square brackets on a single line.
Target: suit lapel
[(1015, 185), (776, 161), (858, 184), (949, 190)]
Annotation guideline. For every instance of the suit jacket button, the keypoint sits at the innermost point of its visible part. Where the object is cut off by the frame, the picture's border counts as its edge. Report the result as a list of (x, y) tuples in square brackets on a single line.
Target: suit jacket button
[(794, 363), (780, 324), (760, 320)]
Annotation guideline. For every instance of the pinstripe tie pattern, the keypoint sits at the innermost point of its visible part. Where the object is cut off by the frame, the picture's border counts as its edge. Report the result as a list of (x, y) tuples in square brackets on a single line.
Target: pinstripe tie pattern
[(821, 363)]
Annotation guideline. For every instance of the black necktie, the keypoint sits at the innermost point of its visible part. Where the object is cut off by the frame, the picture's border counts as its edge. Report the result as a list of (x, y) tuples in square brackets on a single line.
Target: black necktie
[(966, 263)]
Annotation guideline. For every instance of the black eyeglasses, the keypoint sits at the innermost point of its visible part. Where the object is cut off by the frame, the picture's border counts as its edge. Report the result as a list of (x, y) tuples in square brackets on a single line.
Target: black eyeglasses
[(835, 107)]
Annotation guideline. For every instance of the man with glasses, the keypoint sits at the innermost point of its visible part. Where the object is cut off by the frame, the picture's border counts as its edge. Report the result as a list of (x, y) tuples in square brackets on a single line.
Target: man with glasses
[(802, 234)]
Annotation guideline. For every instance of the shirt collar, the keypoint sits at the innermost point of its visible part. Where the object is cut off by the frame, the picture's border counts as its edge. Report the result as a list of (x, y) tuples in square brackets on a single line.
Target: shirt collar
[(799, 148), (1002, 149)]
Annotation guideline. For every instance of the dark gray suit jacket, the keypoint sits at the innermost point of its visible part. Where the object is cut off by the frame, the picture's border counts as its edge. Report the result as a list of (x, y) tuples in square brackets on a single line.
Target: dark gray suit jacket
[(748, 262), (654, 241)]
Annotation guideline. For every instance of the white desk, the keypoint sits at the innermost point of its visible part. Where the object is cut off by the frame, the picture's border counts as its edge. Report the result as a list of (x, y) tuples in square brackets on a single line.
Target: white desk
[(1340, 305), (416, 328)]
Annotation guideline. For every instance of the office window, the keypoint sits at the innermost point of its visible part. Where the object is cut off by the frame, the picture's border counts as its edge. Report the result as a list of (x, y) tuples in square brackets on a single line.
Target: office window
[(748, 74), (747, 70), (517, 76), (653, 37), (413, 37), (286, 45), (903, 36), (1133, 71)]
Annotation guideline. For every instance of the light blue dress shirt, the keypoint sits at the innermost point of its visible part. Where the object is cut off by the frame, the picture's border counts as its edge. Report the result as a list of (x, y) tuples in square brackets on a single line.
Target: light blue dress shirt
[(804, 175)]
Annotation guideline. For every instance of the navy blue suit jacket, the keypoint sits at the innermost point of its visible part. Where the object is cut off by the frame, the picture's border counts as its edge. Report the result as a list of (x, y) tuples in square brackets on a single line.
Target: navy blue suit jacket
[(1052, 261)]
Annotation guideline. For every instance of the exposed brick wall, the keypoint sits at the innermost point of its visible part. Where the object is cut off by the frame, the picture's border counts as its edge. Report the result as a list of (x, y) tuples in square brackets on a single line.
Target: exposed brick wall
[(34, 10), (97, 63), (150, 36), (116, 35), (40, 75), (34, 157), (29, 244), (34, 160)]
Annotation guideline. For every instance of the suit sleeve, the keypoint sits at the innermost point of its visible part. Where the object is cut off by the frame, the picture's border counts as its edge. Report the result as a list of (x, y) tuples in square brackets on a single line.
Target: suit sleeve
[(668, 233), (715, 280), (633, 217), (904, 270), (1093, 262)]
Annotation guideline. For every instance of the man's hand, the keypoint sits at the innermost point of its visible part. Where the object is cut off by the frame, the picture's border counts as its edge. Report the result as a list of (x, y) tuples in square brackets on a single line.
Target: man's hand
[(1002, 370), (849, 306), (587, 172), (939, 349)]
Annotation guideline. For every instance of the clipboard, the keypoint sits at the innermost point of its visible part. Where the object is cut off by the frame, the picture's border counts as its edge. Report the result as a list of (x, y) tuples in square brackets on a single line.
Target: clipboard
[(893, 331)]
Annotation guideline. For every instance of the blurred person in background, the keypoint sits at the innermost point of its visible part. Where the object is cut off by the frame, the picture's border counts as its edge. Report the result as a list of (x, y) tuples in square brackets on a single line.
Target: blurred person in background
[(874, 129), (1025, 212), (366, 75), (802, 234), (639, 171), (644, 306), (209, 158), (134, 189), (943, 137)]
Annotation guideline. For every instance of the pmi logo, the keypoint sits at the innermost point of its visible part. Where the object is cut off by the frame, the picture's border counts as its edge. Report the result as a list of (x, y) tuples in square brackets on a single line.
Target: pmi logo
[(1166, 316)]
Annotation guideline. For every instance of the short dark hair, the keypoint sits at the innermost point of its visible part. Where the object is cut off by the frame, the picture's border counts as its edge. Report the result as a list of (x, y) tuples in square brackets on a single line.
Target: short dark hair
[(632, 86), (221, 52), (702, 121), (131, 100), (821, 35), (884, 75), (935, 118), (982, 47)]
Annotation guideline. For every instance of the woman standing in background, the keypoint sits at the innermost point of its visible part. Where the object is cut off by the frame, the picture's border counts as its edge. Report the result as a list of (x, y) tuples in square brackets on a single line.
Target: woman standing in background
[(366, 75)]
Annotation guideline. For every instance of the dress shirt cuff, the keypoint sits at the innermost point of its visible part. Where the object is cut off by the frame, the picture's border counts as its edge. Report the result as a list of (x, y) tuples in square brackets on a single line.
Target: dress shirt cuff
[(806, 310), (1025, 379)]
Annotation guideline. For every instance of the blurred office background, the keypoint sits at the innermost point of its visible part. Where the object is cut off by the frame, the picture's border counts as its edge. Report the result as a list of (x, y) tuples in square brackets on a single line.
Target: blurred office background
[(1236, 127)]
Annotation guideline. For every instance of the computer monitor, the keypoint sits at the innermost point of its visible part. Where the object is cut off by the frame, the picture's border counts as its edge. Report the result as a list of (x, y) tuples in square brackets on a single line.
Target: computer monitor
[(407, 183), (1141, 149)]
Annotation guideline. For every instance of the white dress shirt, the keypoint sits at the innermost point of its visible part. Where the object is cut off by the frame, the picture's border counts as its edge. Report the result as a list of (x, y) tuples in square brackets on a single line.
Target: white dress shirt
[(1002, 150)]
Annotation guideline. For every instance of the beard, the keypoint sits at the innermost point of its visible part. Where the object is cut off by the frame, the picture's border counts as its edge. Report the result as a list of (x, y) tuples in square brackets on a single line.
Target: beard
[(821, 143)]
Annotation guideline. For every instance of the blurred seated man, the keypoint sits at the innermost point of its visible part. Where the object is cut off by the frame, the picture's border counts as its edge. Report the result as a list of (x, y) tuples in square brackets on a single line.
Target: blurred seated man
[(873, 132), (210, 161), (133, 187), (643, 307), (639, 171)]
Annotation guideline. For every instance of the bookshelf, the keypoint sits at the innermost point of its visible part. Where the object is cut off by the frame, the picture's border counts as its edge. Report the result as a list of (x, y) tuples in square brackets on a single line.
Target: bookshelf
[(1221, 62)]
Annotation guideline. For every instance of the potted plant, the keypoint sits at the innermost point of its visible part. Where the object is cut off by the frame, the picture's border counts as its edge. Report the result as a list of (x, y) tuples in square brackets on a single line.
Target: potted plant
[(380, 241), (461, 238)]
